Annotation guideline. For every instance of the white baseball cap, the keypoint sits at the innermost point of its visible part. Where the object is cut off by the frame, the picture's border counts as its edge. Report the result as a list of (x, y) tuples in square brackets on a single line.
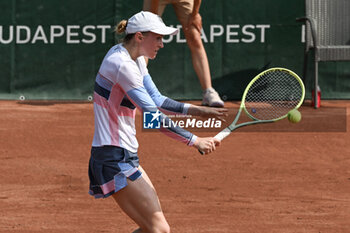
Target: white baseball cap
[(145, 21)]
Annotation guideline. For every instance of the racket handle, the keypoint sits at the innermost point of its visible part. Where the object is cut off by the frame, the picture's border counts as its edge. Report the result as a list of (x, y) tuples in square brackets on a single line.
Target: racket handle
[(220, 136), (223, 134)]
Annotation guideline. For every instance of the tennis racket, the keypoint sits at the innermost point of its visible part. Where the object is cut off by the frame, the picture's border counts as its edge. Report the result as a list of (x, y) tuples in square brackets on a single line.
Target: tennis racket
[(268, 98)]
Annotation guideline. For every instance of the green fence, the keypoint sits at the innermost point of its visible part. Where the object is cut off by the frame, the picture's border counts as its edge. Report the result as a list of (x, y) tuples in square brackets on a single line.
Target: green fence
[(53, 49)]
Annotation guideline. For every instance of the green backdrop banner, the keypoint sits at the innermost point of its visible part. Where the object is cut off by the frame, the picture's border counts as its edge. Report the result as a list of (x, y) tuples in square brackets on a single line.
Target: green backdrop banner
[(53, 49)]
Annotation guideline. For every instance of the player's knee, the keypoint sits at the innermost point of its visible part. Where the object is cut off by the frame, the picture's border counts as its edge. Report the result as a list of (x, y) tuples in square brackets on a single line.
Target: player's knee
[(160, 226), (194, 40), (194, 43), (165, 228)]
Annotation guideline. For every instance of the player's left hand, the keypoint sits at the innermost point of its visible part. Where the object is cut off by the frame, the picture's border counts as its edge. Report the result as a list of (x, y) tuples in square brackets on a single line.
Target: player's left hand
[(219, 113)]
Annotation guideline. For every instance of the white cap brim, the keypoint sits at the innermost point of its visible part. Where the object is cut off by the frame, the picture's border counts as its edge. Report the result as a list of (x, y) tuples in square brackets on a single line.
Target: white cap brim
[(165, 31), (146, 21)]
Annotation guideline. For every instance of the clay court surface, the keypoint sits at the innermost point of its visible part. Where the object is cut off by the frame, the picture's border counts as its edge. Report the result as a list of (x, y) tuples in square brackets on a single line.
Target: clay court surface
[(294, 178)]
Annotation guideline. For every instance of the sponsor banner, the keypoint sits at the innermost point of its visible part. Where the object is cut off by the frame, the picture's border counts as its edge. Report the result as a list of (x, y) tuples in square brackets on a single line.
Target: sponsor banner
[(70, 34), (89, 34)]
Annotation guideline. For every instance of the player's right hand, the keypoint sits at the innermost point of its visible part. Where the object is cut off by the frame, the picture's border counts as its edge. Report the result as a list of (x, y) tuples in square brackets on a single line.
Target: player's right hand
[(206, 145)]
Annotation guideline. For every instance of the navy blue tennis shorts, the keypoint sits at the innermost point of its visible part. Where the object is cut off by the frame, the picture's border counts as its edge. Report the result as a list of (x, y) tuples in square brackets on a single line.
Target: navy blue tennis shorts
[(109, 167)]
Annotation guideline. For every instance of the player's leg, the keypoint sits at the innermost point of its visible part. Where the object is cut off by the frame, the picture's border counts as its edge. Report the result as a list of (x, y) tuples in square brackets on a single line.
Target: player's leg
[(199, 56), (140, 202), (161, 4), (200, 63), (183, 9), (148, 6)]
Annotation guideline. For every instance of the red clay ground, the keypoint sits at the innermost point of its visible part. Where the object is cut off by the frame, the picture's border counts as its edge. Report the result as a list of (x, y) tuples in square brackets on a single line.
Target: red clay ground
[(258, 182)]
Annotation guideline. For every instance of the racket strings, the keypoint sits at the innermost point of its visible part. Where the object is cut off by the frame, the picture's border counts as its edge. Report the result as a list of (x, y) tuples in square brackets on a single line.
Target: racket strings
[(273, 95)]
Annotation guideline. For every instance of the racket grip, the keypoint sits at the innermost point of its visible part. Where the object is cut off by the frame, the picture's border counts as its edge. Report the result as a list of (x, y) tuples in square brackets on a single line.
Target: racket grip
[(220, 136), (223, 134)]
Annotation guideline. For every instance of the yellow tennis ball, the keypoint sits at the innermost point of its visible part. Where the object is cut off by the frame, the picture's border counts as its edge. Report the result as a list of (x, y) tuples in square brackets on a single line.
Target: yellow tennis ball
[(294, 116)]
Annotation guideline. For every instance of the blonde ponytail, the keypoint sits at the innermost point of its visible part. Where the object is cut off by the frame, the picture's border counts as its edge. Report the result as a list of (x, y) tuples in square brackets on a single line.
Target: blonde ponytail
[(121, 27)]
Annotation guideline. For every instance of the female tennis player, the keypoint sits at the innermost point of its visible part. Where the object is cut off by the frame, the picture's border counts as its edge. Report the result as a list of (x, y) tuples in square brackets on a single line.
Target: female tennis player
[(122, 85)]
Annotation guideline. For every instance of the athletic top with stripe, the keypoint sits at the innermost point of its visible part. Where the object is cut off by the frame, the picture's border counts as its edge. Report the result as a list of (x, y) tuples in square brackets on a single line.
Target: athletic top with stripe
[(121, 85)]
